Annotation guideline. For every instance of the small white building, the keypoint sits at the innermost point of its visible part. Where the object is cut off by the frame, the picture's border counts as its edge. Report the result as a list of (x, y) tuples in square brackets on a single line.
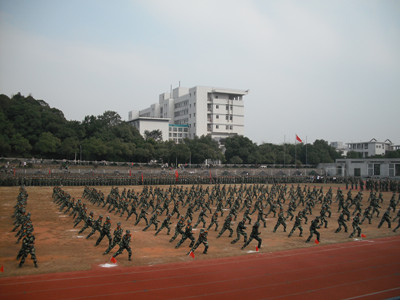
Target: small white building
[(198, 111), (374, 167), (371, 148), (143, 123)]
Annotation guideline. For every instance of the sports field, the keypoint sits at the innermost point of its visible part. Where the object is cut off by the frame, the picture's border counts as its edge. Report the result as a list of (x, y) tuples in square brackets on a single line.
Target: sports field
[(60, 249)]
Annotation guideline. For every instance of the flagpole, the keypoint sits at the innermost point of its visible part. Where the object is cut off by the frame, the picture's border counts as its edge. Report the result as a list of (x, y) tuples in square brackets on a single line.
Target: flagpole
[(295, 150), (306, 152), (284, 149)]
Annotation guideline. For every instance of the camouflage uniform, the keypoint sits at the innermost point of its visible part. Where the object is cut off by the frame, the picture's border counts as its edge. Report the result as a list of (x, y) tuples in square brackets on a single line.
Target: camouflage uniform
[(254, 235), (178, 229), (105, 231), (27, 248), (313, 229), (226, 226), (201, 240), (117, 238), (124, 244), (188, 234), (165, 224), (240, 231)]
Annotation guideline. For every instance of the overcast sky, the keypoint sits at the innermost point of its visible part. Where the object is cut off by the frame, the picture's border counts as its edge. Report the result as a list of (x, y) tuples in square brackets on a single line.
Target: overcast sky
[(322, 69)]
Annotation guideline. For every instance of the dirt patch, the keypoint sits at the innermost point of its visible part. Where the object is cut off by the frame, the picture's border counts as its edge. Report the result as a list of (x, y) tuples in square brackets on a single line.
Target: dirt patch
[(59, 247)]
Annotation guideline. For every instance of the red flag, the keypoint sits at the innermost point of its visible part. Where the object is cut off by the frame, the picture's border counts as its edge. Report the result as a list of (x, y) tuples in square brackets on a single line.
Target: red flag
[(363, 235), (191, 254), (256, 248), (2, 269), (176, 175), (130, 172), (142, 177), (316, 242), (298, 139), (113, 260)]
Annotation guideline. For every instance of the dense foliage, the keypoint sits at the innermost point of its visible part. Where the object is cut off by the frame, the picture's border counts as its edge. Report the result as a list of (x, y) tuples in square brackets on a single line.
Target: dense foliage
[(31, 128)]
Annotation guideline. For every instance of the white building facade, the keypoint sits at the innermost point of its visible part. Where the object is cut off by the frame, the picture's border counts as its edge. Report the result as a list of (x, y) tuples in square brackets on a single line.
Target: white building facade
[(376, 168), (198, 111), (371, 148)]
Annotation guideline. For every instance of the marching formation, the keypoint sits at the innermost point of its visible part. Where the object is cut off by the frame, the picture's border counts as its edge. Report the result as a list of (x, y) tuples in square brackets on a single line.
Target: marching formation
[(241, 209), (24, 223)]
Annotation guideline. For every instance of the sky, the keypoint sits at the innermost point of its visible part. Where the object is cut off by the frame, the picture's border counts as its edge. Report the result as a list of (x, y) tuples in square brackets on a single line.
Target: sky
[(319, 69)]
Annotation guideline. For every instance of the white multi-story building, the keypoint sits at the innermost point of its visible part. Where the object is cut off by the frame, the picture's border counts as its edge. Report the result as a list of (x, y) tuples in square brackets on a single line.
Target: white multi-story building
[(340, 147), (198, 111), (371, 148)]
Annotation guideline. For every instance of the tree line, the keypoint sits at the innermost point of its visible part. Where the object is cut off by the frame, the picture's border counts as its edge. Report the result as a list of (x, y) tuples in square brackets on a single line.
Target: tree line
[(31, 128)]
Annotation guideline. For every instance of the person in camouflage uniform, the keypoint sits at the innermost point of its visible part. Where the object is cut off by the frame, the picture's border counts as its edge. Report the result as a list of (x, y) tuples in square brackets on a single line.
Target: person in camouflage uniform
[(315, 224), (341, 222), (240, 230), (153, 220), (226, 226), (246, 214), (132, 211), (254, 235), (165, 224), (88, 222), (367, 215), (27, 248), (386, 218), (105, 231), (188, 234), (201, 240), (178, 228), (142, 215), (356, 226), (297, 224), (214, 220), (124, 244), (96, 226), (201, 218), (280, 221), (117, 238)]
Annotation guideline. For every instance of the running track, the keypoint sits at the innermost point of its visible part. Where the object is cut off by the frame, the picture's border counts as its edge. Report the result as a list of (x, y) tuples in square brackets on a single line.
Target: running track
[(367, 269)]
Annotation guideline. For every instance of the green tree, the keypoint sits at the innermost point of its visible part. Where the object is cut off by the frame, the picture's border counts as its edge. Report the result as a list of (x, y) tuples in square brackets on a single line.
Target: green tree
[(48, 144), (156, 135), (20, 145)]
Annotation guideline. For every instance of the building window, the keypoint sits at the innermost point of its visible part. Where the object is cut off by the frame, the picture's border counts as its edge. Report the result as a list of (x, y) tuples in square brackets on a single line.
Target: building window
[(194, 114), (357, 172), (227, 127), (231, 127), (194, 124), (227, 117), (217, 116), (377, 169), (370, 169), (397, 170), (231, 117), (217, 126), (227, 107), (217, 106)]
